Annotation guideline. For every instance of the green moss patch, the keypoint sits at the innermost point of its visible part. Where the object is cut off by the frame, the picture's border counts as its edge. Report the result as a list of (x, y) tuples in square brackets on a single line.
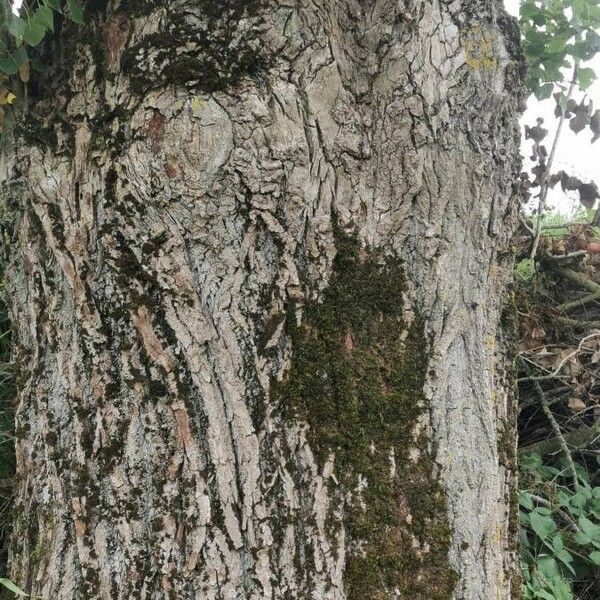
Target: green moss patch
[(357, 377)]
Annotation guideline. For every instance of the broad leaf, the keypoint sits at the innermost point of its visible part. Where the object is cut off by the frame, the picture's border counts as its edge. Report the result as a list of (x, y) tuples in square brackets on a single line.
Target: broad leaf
[(543, 525)]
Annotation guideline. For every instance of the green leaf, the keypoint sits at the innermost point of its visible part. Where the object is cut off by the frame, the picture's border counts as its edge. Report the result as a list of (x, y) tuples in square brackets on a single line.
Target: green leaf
[(45, 16), (55, 4), (590, 529), (543, 525), (582, 539), (544, 92), (587, 76), (595, 557), (75, 11), (34, 32), (557, 543), (529, 10), (10, 63), (16, 27), (556, 44), (15, 589), (525, 500), (533, 460), (581, 498), (548, 567), (561, 589)]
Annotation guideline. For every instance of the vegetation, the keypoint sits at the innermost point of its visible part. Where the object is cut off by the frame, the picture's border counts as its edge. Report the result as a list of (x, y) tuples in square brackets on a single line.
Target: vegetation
[(560, 534), (559, 316)]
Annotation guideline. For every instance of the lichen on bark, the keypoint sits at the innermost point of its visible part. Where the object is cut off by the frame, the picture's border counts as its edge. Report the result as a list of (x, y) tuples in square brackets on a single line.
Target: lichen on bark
[(356, 378)]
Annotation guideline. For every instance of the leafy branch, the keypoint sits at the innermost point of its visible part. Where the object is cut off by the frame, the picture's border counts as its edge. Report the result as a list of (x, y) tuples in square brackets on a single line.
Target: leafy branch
[(19, 33)]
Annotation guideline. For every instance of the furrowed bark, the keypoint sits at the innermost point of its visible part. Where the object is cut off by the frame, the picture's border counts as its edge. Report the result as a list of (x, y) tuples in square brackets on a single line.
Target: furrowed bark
[(257, 269)]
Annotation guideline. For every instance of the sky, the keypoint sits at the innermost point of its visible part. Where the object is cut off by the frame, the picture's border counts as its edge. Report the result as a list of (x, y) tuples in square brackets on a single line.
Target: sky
[(574, 154)]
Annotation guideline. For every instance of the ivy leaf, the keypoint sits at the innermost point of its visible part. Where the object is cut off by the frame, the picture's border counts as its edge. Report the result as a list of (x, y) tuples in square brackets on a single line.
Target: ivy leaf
[(543, 525), (595, 125), (587, 76), (590, 529), (537, 133), (16, 27), (563, 555), (582, 539), (34, 32), (529, 10), (582, 118), (548, 567), (45, 16), (55, 4), (588, 194), (533, 460), (75, 11), (544, 92), (10, 63), (525, 500)]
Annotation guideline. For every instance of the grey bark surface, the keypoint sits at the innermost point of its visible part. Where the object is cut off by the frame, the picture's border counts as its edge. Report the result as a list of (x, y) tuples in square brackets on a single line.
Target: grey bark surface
[(177, 187)]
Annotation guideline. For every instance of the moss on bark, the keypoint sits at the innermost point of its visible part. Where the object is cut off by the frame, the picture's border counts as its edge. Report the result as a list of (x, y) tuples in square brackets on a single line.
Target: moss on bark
[(357, 378)]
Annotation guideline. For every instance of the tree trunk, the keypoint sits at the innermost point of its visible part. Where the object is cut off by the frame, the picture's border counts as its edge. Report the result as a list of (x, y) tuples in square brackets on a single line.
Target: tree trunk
[(258, 258)]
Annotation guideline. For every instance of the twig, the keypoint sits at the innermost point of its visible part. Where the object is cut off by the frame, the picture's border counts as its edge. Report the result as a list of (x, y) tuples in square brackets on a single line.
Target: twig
[(561, 364), (544, 187), (557, 433), (580, 302), (526, 225), (577, 324), (540, 378), (565, 225), (579, 279), (565, 257)]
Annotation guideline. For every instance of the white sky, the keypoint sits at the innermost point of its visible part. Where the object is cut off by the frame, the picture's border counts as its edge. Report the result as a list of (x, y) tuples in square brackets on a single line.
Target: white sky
[(574, 154)]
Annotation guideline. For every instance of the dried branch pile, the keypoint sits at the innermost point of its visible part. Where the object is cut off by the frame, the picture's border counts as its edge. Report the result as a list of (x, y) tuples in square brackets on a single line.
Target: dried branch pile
[(559, 345)]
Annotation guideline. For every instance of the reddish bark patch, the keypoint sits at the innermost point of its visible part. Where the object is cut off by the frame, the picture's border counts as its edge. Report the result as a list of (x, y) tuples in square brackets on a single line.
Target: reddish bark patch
[(116, 32), (155, 131)]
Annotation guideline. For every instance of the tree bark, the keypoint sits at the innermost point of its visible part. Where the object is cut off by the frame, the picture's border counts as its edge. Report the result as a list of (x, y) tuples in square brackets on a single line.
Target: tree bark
[(258, 258)]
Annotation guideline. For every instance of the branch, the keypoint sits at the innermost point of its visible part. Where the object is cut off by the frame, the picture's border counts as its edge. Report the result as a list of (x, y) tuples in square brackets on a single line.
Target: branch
[(578, 278), (540, 378), (566, 306), (577, 324), (565, 225), (558, 434), (565, 257)]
